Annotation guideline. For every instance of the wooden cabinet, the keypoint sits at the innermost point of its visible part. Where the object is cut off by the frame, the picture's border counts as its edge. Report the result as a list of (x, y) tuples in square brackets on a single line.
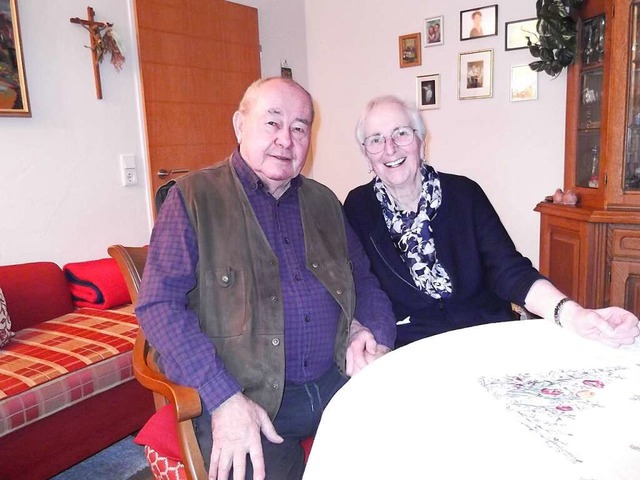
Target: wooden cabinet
[(592, 251)]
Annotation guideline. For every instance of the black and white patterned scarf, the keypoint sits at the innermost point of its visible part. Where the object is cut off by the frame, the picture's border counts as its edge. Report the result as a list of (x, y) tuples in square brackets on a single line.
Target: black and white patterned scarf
[(411, 233)]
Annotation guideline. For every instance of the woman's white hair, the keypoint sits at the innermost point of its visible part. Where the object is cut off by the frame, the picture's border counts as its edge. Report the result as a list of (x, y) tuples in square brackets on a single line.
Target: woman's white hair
[(412, 112)]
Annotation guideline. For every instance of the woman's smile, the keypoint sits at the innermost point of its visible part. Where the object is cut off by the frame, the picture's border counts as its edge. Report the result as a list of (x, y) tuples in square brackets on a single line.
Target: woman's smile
[(395, 163)]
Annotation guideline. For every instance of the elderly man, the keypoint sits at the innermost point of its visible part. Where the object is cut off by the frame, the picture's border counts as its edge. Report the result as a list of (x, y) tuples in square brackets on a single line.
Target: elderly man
[(252, 288)]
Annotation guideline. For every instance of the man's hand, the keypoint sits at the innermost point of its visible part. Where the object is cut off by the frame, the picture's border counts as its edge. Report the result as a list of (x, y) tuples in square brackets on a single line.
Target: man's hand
[(236, 427), (363, 348), (612, 325)]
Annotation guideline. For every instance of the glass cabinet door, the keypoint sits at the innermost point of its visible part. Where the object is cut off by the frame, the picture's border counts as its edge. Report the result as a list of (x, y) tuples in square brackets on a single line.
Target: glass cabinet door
[(591, 57), (631, 167)]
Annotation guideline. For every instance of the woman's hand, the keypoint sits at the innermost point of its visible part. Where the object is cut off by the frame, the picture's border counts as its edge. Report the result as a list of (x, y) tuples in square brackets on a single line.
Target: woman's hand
[(613, 326)]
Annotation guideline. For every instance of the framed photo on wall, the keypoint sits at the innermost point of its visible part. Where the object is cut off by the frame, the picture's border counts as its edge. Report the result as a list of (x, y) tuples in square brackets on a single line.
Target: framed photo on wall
[(475, 74), (14, 99), (479, 22), (410, 50), (516, 33), (433, 31), (428, 92), (524, 84)]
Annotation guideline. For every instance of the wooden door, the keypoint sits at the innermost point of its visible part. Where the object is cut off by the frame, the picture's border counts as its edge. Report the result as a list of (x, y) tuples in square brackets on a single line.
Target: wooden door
[(625, 285), (197, 57)]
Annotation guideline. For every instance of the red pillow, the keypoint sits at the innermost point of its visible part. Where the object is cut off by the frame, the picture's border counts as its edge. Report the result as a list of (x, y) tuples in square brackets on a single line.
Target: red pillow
[(97, 284), (161, 433)]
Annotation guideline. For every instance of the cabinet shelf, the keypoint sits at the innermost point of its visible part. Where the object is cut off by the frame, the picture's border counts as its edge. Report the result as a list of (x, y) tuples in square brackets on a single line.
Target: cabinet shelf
[(589, 127), (588, 67)]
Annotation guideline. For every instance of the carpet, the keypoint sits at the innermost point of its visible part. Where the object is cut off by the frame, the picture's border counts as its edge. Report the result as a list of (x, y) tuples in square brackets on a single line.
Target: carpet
[(124, 460)]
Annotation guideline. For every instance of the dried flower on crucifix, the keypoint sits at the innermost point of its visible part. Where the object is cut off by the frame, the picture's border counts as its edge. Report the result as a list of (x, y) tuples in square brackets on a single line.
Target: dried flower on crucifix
[(112, 45), (106, 41)]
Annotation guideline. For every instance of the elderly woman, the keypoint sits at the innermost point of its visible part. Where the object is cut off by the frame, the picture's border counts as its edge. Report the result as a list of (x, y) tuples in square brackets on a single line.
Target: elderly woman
[(438, 247)]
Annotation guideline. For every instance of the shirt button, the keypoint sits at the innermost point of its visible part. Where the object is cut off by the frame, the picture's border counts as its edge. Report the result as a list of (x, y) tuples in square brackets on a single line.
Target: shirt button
[(275, 342), (286, 240), (275, 385), (271, 263), (297, 277), (225, 278), (314, 265), (307, 318), (339, 292), (306, 363), (274, 298)]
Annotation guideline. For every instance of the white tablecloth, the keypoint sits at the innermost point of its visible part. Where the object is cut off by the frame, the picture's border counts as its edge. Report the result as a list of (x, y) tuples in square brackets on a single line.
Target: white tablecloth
[(515, 400)]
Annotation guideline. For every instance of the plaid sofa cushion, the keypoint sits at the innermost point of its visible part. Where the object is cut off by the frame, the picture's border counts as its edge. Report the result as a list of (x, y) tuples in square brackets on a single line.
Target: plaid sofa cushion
[(60, 362)]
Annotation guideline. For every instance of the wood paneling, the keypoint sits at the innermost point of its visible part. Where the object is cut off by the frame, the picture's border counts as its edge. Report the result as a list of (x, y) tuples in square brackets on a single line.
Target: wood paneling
[(197, 57)]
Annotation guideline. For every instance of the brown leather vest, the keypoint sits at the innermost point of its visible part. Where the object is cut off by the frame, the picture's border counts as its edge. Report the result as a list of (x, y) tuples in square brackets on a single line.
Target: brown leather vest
[(238, 296)]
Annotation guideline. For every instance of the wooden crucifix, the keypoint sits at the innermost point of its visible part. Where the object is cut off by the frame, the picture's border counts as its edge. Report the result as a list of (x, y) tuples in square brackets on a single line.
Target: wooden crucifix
[(96, 43)]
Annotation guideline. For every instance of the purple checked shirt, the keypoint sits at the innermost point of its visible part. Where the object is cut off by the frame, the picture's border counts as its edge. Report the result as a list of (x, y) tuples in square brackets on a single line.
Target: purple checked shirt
[(310, 313)]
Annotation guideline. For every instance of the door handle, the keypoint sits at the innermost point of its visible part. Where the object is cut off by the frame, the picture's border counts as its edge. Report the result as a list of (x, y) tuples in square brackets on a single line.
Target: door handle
[(164, 173)]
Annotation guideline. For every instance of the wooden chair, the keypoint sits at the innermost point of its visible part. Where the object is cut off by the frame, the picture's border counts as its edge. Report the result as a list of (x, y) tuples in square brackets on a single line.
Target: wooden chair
[(185, 400), (521, 313)]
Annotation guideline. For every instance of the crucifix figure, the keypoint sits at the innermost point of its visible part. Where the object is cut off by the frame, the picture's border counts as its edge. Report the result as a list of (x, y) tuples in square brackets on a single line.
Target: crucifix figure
[(94, 29)]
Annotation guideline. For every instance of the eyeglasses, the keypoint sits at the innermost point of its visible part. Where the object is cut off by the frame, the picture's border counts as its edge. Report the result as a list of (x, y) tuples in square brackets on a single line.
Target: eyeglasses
[(401, 136)]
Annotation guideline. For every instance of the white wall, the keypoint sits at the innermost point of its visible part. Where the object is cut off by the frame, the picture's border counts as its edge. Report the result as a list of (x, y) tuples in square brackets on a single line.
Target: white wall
[(60, 174), (514, 150), (282, 36), (61, 197)]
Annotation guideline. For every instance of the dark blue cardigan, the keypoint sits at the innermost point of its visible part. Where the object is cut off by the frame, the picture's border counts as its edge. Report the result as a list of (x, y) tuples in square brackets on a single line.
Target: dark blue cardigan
[(486, 270)]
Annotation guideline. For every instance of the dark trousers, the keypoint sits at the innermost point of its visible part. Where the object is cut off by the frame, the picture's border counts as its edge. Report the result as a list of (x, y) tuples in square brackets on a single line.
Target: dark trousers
[(298, 418)]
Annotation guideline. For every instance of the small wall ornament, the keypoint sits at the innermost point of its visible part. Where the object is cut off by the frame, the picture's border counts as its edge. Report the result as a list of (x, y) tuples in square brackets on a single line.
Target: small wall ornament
[(103, 40)]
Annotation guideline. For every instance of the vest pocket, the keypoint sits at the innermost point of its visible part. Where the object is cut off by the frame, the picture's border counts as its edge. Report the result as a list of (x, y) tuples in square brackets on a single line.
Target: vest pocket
[(225, 294)]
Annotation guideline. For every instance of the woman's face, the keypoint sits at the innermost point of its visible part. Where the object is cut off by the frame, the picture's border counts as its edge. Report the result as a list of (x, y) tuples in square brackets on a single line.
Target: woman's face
[(397, 166)]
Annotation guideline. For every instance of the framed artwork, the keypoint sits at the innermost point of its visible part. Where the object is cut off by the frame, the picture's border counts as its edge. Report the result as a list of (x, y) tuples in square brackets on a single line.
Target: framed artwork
[(285, 69), (410, 50), (433, 31), (479, 22), (14, 99), (428, 92), (516, 33), (475, 74), (524, 83)]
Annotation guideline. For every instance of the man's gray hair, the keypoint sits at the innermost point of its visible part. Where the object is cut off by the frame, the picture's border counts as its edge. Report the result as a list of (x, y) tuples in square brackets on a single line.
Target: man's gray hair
[(412, 112)]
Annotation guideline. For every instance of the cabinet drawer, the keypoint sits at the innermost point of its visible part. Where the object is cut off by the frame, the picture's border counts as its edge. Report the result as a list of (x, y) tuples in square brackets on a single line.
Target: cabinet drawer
[(625, 243)]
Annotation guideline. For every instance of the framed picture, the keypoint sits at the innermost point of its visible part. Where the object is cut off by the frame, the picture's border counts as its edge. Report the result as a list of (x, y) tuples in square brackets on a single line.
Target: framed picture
[(14, 100), (516, 33), (475, 74), (433, 31), (524, 83), (410, 50), (479, 22), (428, 92)]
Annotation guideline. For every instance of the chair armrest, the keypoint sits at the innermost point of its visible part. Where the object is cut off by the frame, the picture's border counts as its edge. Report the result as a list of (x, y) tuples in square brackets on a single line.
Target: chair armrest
[(185, 399)]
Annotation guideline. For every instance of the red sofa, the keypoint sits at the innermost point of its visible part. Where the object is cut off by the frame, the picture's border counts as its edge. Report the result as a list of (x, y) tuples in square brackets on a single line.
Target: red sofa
[(91, 410)]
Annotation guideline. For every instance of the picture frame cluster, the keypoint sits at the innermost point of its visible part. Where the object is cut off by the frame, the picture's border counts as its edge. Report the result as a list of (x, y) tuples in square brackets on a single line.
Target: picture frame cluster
[(475, 67)]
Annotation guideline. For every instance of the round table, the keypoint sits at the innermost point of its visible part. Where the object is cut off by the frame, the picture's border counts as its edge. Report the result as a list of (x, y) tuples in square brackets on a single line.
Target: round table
[(514, 400)]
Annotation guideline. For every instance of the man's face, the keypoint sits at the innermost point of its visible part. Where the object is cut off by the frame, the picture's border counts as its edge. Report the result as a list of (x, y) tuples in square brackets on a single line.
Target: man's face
[(274, 133)]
